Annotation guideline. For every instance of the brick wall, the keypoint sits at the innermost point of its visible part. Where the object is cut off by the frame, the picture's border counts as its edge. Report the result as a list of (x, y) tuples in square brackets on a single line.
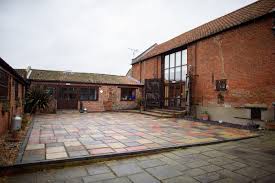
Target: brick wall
[(148, 69), (245, 56), (136, 71), (109, 100)]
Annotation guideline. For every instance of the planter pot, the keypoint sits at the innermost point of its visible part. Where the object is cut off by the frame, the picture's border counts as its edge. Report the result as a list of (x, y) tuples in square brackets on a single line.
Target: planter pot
[(270, 125), (205, 117)]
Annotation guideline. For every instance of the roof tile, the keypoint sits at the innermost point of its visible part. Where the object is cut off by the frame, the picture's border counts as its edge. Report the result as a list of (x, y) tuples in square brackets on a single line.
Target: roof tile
[(225, 22), (63, 76)]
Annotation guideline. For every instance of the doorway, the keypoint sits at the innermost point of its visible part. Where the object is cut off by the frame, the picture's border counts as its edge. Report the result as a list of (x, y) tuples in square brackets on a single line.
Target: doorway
[(67, 98), (174, 96)]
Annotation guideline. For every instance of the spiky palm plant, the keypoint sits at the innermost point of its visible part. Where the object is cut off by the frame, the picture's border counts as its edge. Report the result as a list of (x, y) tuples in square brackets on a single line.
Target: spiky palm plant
[(36, 98)]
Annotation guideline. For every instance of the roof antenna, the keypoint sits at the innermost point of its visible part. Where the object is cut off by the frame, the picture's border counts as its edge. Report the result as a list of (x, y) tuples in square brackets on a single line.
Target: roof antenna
[(134, 51)]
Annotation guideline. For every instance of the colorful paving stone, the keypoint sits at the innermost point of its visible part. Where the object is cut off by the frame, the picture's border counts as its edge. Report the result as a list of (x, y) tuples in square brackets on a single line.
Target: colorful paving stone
[(60, 136)]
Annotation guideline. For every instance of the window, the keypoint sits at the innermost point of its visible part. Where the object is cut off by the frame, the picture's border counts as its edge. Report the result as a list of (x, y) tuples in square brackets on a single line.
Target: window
[(166, 61), (172, 74), (184, 57), (166, 74), (176, 66), (16, 89), (178, 60), (172, 60), (221, 85), (4, 82), (256, 113), (178, 74), (128, 94), (50, 91), (88, 93)]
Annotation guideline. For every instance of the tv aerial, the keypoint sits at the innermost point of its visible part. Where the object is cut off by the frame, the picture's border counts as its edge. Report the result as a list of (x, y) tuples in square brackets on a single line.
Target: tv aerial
[(134, 51)]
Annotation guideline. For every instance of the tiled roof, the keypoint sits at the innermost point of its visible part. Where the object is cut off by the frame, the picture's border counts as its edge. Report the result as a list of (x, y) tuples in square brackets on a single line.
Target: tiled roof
[(240, 16), (65, 76), (22, 72), (139, 57), (8, 68)]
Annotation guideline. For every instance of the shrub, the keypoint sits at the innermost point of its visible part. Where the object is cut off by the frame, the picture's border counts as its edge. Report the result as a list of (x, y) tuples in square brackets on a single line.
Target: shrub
[(36, 98)]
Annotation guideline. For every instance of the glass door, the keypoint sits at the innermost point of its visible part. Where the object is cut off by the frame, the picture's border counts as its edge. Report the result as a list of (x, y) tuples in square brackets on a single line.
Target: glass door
[(174, 96)]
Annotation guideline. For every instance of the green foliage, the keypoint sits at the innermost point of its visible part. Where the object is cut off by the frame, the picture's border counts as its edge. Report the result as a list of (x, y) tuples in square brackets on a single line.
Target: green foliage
[(36, 98), (139, 101), (205, 112)]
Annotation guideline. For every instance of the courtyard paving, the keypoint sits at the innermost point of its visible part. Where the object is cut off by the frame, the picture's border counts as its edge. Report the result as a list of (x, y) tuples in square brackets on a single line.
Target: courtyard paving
[(74, 135), (250, 160)]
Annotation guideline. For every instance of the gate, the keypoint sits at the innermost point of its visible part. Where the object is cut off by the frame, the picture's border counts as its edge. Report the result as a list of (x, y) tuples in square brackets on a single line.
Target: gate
[(153, 92)]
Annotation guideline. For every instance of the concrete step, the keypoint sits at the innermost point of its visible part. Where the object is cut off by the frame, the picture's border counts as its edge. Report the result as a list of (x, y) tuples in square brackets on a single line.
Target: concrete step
[(167, 111), (157, 114)]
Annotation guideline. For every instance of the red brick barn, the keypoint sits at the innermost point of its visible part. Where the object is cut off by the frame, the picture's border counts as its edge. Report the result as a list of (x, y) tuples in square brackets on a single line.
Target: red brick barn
[(225, 67)]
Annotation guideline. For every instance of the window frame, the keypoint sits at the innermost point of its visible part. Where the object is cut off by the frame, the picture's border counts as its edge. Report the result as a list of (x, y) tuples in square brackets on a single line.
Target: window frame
[(96, 89), (4, 84), (51, 90), (172, 70), (16, 90), (220, 83), (132, 89)]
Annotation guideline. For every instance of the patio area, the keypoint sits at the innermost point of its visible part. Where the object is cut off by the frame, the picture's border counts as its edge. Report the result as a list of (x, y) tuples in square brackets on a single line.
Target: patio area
[(75, 135)]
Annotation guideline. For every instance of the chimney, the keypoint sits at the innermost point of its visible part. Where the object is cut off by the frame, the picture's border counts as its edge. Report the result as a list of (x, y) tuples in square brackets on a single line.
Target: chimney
[(29, 71)]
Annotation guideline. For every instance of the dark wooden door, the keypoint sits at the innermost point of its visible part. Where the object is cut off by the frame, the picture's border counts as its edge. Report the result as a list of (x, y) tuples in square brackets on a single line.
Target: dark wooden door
[(67, 98)]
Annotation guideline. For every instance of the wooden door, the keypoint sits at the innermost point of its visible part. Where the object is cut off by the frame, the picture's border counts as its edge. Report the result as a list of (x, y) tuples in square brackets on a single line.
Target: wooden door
[(67, 98)]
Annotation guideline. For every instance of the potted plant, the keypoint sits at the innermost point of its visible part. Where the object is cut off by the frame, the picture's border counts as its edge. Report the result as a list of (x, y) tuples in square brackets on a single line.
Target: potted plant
[(140, 103), (205, 116)]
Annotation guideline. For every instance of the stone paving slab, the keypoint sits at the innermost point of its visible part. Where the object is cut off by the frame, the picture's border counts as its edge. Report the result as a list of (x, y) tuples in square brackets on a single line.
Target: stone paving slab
[(65, 136), (167, 167)]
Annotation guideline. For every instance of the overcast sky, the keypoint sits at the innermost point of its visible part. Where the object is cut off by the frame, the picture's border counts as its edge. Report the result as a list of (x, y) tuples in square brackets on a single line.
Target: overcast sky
[(94, 35)]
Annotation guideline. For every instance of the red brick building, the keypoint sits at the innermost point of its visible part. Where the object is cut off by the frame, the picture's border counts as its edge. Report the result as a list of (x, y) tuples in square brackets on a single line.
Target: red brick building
[(95, 92), (225, 67), (12, 88)]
